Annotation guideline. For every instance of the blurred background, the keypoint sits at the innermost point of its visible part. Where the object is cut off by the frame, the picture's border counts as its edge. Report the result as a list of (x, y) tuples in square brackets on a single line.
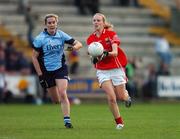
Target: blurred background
[(149, 33)]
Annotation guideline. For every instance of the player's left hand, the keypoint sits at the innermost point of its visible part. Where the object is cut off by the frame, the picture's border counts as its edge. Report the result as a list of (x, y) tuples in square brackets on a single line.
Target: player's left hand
[(105, 54)]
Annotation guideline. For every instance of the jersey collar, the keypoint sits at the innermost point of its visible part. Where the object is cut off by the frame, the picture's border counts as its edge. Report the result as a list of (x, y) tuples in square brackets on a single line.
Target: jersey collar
[(45, 30), (103, 32)]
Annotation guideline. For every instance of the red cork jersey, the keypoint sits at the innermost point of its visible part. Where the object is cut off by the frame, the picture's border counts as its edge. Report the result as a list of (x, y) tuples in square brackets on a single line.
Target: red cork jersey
[(107, 38)]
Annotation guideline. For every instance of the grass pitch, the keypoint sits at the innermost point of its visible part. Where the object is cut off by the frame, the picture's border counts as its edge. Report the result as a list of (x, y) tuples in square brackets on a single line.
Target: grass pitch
[(90, 121)]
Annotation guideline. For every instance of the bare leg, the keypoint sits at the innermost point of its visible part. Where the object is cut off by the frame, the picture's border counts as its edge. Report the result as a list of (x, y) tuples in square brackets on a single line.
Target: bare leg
[(109, 90), (59, 95), (121, 92), (54, 94), (62, 87)]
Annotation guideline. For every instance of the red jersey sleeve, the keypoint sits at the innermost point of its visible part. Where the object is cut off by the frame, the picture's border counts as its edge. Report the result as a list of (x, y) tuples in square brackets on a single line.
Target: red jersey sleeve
[(114, 38)]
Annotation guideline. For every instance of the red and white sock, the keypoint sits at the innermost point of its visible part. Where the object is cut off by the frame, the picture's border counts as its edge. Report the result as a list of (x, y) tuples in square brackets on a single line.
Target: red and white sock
[(119, 120)]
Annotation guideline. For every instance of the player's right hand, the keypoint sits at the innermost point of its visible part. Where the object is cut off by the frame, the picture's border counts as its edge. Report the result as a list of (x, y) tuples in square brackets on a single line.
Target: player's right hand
[(42, 81), (94, 60), (69, 48)]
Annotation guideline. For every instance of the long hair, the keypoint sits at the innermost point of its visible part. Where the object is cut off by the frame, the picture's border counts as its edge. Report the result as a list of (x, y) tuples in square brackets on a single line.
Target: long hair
[(107, 25)]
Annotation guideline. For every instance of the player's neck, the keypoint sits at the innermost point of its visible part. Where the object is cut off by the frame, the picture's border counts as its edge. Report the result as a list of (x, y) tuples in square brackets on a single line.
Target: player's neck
[(99, 32)]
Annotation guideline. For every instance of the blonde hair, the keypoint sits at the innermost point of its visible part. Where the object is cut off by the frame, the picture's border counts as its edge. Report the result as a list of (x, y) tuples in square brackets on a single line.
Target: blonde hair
[(50, 15), (107, 25)]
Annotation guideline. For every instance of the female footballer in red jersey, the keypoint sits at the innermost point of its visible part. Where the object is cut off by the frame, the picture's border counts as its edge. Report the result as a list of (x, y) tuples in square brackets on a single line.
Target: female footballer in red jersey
[(110, 65)]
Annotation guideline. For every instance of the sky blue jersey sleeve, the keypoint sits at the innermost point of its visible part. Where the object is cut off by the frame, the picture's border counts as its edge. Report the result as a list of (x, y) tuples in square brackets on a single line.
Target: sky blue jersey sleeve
[(37, 43), (66, 36)]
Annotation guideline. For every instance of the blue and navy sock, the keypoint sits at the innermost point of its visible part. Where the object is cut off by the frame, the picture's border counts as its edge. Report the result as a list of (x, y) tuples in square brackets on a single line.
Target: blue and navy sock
[(67, 119)]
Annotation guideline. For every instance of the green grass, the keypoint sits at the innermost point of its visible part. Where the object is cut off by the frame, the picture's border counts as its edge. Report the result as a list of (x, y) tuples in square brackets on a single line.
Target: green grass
[(91, 121)]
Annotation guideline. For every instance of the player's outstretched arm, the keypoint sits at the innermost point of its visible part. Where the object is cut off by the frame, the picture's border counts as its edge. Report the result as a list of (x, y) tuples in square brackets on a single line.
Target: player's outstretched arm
[(77, 45)]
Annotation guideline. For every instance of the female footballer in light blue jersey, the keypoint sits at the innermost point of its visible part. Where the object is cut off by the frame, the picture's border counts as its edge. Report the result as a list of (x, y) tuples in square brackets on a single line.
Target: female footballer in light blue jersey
[(49, 61)]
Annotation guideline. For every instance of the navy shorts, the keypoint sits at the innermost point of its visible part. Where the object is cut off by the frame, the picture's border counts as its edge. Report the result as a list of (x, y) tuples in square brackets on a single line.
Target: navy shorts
[(61, 73)]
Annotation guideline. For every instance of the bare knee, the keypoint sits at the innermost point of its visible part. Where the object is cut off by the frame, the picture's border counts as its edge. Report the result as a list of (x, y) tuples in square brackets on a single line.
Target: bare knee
[(112, 100), (63, 97), (123, 95)]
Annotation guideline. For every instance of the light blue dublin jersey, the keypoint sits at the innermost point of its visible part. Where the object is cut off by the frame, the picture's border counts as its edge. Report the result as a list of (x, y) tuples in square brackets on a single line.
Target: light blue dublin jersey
[(51, 49)]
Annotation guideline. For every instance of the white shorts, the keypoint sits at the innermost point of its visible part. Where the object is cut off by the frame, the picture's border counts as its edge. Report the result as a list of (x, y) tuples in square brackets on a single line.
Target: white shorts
[(117, 76)]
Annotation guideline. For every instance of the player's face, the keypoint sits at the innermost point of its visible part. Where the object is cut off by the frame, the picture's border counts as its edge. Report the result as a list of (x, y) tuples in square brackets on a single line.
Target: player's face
[(51, 25), (98, 23)]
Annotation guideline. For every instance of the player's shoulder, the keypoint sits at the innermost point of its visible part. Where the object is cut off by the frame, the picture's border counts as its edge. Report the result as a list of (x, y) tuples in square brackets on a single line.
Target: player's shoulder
[(60, 33), (40, 36), (109, 31)]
